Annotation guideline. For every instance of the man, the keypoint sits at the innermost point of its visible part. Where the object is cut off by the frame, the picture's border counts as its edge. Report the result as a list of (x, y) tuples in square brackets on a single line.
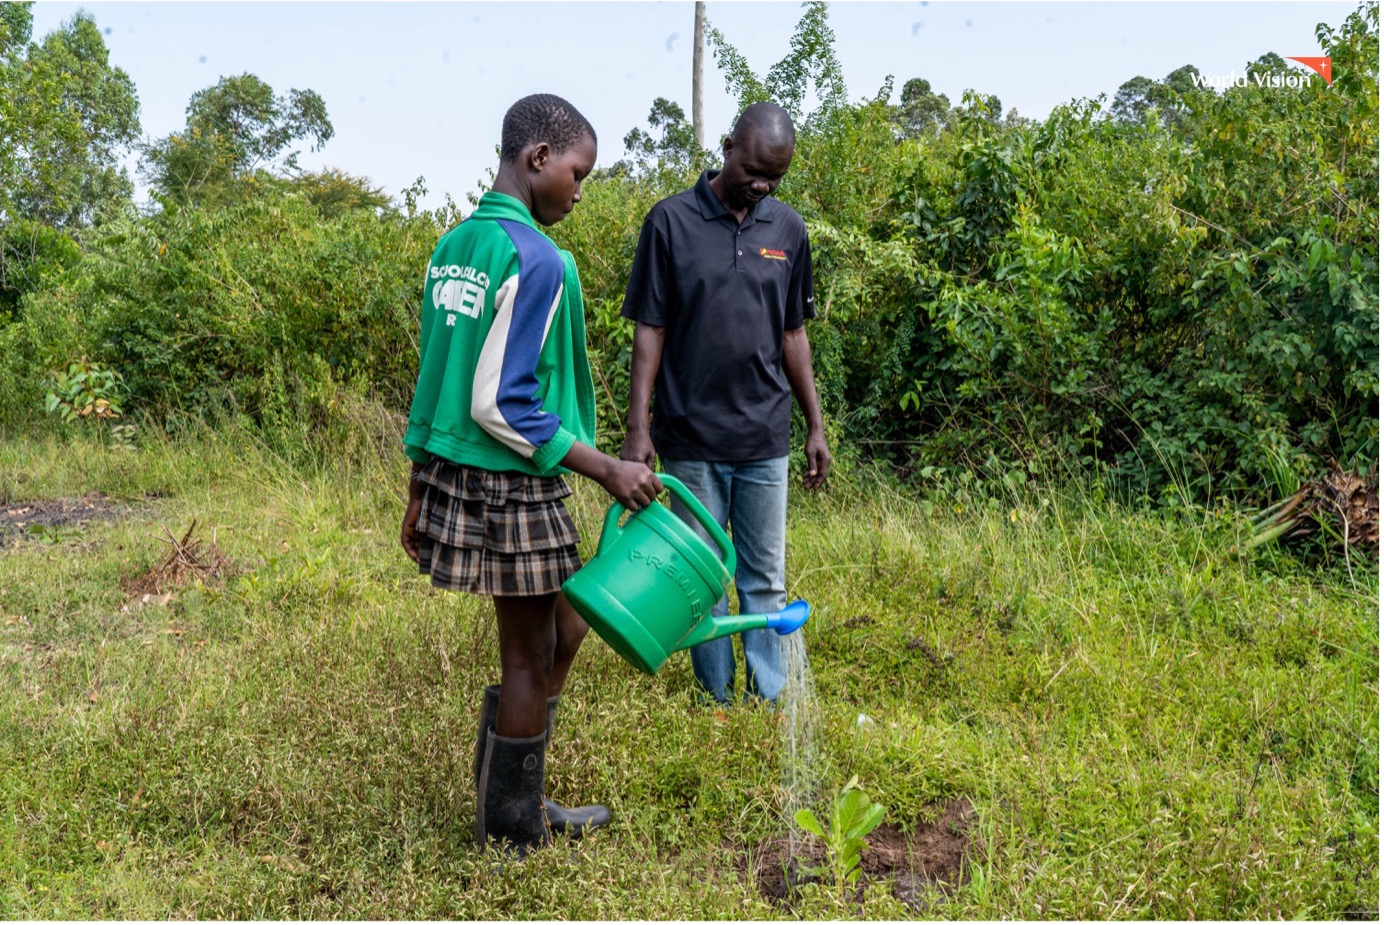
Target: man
[(721, 285)]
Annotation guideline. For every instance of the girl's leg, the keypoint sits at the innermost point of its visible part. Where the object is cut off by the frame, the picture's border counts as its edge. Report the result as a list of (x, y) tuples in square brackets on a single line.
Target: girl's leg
[(571, 630), (528, 641)]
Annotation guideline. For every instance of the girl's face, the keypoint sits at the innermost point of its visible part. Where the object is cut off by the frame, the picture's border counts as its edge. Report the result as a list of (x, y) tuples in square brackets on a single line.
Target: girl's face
[(556, 179)]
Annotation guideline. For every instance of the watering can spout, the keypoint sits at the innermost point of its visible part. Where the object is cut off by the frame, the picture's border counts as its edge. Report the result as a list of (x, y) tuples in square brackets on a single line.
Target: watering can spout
[(783, 622), (790, 618)]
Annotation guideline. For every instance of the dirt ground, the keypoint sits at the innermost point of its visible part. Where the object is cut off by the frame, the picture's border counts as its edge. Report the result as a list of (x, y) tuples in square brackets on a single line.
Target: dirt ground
[(44, 518), (189, 558), (933, 855)]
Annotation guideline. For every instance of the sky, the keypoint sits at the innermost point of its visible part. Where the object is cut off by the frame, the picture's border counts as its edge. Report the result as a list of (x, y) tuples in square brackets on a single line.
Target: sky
[(419, 89)]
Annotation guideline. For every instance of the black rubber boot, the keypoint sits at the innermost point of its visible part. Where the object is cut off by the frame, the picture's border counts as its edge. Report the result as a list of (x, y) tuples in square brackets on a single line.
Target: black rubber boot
[(563, 821), (509, 800), (574, 821)]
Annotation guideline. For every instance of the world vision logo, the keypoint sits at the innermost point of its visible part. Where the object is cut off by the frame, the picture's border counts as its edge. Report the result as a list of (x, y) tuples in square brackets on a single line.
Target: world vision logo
[(769, 253), (1321, 65), (1278, 81)]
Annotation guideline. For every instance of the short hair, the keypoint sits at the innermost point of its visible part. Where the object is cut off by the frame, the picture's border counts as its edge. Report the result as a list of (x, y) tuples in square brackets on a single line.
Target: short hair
[(769, 121), (542, 117)]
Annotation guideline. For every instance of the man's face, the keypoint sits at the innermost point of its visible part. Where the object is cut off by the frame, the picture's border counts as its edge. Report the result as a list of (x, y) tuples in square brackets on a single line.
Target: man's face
[(556, 186), (753, 169)]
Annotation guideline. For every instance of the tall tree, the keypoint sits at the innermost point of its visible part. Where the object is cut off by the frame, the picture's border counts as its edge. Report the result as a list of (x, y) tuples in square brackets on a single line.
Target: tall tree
[(16, 23), (1168, 97), (70, 116), (810, 65), (920, 110), (675, 151), (66, 116), (234, 128)]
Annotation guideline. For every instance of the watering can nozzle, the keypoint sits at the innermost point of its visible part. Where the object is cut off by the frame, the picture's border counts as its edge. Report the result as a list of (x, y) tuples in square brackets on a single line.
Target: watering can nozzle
[(789, 618)]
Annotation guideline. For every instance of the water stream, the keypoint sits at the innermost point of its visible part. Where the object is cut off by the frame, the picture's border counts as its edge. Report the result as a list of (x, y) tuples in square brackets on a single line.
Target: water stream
[(802, 770)]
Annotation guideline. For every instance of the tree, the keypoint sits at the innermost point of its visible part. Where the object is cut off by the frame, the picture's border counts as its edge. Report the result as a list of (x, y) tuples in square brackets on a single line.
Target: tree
[(811, 63), (335, 192), (1168, 97), (233, 129), (1135, 97), (65, 117), (921, 112), (73, 115), (16, 23), (676, 147)]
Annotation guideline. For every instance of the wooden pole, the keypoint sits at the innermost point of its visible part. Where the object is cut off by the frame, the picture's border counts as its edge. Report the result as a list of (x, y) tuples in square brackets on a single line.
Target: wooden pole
[(698, 40)]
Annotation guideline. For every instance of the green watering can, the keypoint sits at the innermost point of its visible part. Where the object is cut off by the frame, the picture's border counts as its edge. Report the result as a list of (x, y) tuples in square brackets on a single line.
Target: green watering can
[(649, 589)]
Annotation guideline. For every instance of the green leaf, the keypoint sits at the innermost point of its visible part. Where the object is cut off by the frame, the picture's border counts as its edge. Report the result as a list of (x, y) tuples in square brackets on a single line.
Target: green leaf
[(873, 817), (807, 821)]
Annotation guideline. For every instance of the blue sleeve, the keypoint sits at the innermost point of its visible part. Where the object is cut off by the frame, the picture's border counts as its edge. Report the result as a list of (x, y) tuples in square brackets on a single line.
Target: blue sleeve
[(504, 399)]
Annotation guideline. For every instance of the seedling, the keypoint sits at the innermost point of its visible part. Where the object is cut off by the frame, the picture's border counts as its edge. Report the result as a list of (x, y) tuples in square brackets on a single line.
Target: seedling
[(853, 816), (86, 390)]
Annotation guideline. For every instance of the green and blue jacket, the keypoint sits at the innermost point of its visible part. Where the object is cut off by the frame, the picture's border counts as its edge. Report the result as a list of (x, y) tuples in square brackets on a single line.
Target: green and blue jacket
[(503, 380)]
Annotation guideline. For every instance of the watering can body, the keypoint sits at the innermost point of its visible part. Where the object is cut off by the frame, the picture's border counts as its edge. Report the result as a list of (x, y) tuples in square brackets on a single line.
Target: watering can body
[(650, 588)]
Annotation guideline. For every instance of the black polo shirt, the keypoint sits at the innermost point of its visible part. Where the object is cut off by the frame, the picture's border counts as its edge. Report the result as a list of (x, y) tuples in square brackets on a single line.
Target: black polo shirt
[(724, 294)]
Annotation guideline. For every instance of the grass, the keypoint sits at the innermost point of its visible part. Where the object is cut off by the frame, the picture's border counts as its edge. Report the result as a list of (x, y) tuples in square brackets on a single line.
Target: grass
[(1147, 725)]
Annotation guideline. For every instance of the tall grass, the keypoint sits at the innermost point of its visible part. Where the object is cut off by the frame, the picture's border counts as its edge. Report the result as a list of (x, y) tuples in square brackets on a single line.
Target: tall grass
[(1149, 725)]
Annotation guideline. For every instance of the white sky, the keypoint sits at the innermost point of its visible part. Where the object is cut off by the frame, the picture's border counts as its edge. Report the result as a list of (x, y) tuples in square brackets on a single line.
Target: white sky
[(419, 89)]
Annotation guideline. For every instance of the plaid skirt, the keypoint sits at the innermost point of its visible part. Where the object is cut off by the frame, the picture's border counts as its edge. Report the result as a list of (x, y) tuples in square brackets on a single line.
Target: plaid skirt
[(502, 534)]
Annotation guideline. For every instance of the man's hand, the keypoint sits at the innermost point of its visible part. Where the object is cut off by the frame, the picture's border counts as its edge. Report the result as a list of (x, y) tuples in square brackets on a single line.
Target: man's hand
[(818, 461), (644, 364), (638, 448), (797, 363)]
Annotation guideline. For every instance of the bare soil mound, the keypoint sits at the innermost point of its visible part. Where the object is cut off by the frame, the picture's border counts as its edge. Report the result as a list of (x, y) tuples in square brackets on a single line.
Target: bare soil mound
[(934, 854)]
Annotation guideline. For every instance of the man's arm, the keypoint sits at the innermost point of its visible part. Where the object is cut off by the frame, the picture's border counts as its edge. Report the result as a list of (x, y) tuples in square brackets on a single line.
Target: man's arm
[(797, 364), (648, 356)]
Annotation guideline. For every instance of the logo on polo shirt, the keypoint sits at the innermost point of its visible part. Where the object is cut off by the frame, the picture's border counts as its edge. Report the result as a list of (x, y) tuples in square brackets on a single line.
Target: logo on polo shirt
[(768, 253)]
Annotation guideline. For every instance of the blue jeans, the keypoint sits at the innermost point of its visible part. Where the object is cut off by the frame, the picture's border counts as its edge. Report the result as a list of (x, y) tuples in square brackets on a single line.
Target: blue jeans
[(753, 498)]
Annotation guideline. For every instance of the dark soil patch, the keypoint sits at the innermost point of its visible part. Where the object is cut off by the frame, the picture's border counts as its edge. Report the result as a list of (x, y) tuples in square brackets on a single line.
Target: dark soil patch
[(189, 559), (46, 519), (933, 855)]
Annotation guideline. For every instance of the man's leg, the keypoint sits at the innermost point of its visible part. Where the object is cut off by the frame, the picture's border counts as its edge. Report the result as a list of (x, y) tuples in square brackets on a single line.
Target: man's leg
[(713, 663), (759, 523)]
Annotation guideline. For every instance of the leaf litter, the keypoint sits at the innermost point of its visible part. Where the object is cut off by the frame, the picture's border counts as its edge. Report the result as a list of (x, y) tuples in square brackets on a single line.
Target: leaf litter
[(189, 560)]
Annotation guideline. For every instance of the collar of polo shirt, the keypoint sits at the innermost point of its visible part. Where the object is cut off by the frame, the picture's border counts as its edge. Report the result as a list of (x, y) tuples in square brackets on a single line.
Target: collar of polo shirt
[(712, 207)]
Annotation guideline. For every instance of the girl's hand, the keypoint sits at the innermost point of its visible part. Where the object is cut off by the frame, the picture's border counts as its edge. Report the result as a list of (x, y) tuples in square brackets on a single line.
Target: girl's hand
[(409, 535), (633, 484)]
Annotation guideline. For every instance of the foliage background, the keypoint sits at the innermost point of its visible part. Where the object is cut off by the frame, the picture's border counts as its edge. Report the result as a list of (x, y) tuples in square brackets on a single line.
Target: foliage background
[(1175, 292)]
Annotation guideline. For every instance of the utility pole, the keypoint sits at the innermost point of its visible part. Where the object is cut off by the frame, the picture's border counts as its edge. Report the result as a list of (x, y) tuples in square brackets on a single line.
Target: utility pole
[(698, 40)]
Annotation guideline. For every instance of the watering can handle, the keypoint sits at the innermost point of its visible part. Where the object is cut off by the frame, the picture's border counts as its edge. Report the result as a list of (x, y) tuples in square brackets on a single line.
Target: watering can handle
[(703, 516), (610, 531)]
